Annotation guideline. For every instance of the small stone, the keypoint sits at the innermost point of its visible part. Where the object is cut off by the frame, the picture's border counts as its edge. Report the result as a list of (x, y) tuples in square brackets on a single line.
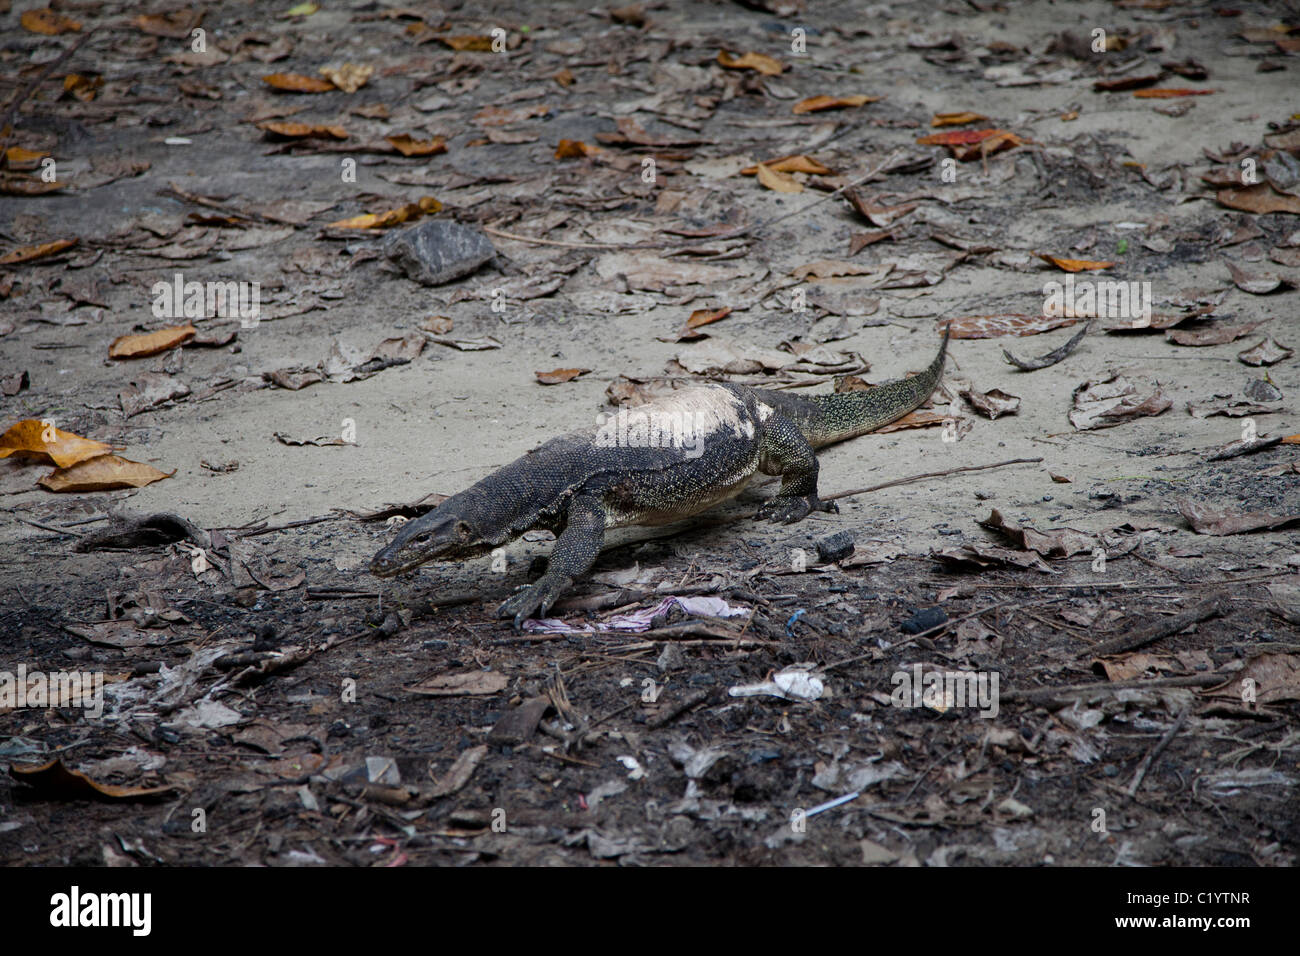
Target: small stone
[(437, 251), (835, 547), (924, 620)]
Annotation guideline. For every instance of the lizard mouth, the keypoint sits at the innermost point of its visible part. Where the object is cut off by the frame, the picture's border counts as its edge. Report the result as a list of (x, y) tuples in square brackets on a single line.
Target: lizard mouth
[(384, 569)]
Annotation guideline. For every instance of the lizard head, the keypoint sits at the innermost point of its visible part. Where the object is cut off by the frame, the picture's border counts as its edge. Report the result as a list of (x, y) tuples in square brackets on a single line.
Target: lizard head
[(442, 533)]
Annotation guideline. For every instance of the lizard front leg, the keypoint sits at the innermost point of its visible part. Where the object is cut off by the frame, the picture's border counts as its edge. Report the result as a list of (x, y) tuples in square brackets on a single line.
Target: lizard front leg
[(786, 452), (576, 550)]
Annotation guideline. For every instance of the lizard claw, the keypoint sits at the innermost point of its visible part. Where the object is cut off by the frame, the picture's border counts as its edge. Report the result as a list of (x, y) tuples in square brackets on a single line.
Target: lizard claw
[(533, 600), (787, 510)]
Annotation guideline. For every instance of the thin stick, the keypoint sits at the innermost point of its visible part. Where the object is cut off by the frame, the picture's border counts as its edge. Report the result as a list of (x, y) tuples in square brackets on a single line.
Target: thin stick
[(1212, 607), (930, 474), (1103, 687), (11, 114), (1156, 751)]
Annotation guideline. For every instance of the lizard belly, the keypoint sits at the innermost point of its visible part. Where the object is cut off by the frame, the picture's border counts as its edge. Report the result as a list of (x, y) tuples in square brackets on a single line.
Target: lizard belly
[(658, 502)]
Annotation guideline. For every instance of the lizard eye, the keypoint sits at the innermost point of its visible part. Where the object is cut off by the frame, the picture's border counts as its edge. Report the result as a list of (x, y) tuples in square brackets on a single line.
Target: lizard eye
[(422, 538)]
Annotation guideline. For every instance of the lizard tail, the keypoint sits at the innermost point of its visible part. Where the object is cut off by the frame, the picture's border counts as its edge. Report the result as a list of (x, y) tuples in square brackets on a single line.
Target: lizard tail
[(844, 415)]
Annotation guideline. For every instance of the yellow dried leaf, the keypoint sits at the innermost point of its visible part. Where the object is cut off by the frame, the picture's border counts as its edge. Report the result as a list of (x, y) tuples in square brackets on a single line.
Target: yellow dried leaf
[(779, 182), (349, 77), (150, 343), (392, 217), (82, 87), (103, 473), (32, 438), (575, 148), (472, 44), (28, 253), (957, 119), (408, 146), (302, 130), (815, 104), (297, 83), (1073, 265), (798, 163), (751, 61), (47, 22), (559, 375)]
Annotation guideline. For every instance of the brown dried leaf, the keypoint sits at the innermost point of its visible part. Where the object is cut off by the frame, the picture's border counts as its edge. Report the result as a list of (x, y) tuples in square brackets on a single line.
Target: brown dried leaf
[(297, 83), (302, 130), (54, 781), (761, 62), (957, 119), (575, 149), (407, 146), (393, 217), (47, 22), (349, 77), (461, 685), (1073, 265), (103, 473), (28, 253), (560, 375), (1206, 520), (816, 104), (992, 403), (1267, 351), (150, 343), (778, 182), (1260, 199)]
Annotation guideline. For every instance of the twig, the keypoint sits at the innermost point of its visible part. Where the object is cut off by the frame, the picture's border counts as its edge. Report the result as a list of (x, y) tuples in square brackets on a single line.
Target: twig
[(1103, 687), (1156, 751), (1212, 607), (930, 474), (11, 114), (44, 527), (1052, 357)]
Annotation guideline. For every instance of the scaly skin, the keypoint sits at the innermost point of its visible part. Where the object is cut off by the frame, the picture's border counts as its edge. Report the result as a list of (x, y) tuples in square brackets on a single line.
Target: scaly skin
[(579, 484)]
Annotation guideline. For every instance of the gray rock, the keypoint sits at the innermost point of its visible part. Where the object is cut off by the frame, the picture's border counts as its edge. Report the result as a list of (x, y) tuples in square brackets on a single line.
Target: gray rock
[(437, 251)]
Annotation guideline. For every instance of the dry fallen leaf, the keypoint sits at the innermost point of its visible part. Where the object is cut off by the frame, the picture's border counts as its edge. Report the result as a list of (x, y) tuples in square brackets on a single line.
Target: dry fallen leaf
[(504, 115), (778, 182), (815, 104), (1056, 543), (32, 438), (28, 253), (992, 403), (103, 473), (175, 25), (1261, 198), (575, 149), (297, 83), (349, 77), (47, 22), (1166, 93), (302, 130), (150, 343), (476, 43), (82, 87), (392, 217), (407, 146), (1267, 351), (1258, 283), (797, 163), (53, 780), (559, 375), (751, 61), (1073, 265), (461, 685), (1217, 333), (957, 119), (1206, 520), (1113, 401)]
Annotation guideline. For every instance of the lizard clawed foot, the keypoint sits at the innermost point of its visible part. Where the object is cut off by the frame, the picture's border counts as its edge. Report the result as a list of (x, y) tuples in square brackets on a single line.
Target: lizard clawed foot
[(789, 509), (533, 600)]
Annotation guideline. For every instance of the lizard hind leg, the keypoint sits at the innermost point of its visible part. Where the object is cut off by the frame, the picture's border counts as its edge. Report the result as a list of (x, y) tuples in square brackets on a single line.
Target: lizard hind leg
[(576, 550), (786, 452)]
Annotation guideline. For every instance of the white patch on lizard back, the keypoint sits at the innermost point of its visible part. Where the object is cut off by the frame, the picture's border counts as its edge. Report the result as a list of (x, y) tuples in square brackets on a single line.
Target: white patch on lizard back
[(683, 419), (765, 412)]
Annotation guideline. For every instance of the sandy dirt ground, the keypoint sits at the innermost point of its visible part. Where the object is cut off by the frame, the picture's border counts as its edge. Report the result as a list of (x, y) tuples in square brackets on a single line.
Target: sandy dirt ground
[(283, 706)]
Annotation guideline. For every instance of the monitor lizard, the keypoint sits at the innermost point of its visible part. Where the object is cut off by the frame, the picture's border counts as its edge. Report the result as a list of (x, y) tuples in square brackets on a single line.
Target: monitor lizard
[(651, 465)]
